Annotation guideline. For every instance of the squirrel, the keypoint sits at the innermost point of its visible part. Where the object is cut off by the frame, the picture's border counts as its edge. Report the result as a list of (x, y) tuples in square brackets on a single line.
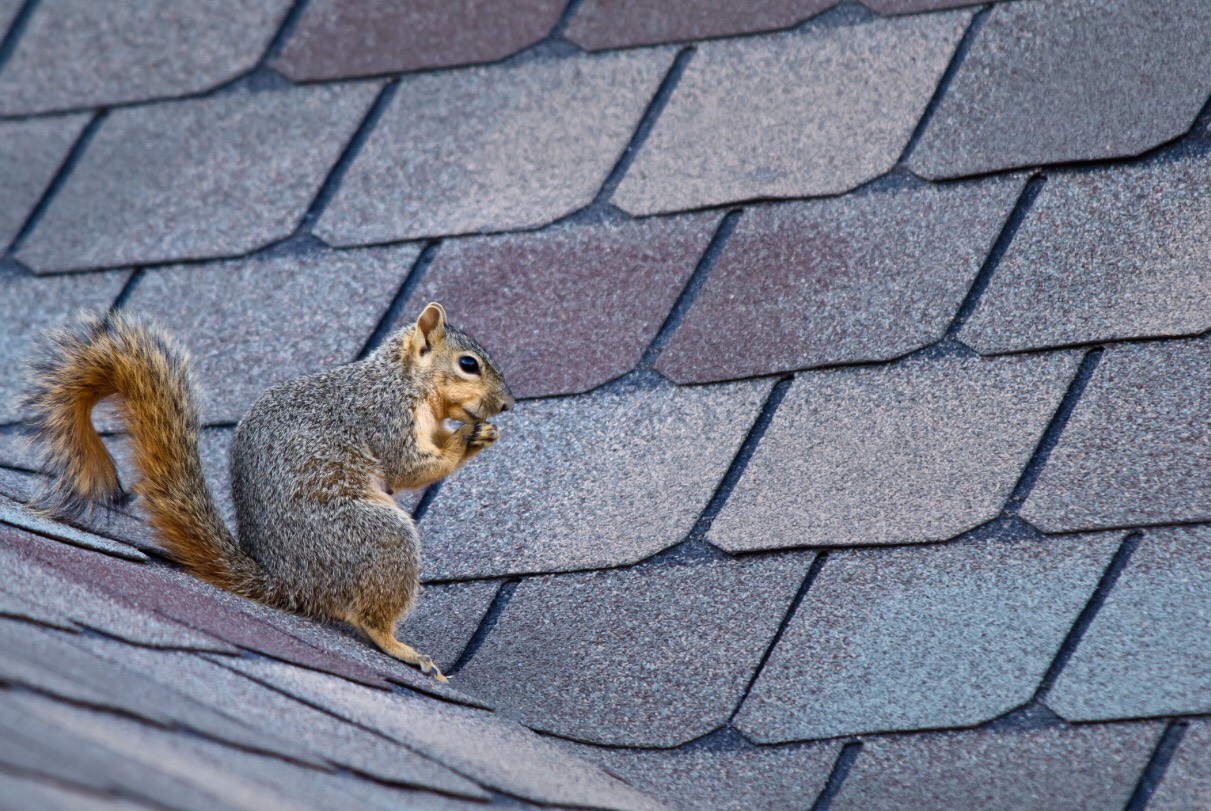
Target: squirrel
[(313, 463)]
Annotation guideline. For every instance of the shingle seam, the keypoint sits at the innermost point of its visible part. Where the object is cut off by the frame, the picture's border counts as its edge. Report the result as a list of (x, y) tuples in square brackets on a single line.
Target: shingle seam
[(413, 278), (289, 21), (1158, 764), (836, 778), (426, 501), (1072, 641), (565, 19), (9, 38), (488, 622), (68, 164), (128, 289)]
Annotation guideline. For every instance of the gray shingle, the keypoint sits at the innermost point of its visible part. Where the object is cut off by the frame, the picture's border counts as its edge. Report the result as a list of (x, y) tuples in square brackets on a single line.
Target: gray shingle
[(193, 179), (76, 53), (495, 752), (912, 6), (31, 792), (252, 323), (920, 451), (1057, 768), (8, 13), (1083, 80), (643, 657), (859, 278), (30, 305), (921, 638), (492, 149), (738, 778), (445, 619), (602, 480), (1187, 781), (17, 515), (1103, 255), (744, 123), (1147, 650), (30, 155), (1136, 449)]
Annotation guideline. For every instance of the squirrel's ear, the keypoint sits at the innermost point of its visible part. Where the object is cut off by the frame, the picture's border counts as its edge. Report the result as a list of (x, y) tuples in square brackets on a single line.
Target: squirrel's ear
[(430, 326)]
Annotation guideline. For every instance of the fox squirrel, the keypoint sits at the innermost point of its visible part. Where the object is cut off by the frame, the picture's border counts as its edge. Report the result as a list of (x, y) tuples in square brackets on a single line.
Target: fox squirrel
[(313, 463)]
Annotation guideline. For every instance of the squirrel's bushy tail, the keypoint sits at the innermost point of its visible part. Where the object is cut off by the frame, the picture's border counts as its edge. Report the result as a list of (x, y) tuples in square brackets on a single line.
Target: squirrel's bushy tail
[(94, 357)]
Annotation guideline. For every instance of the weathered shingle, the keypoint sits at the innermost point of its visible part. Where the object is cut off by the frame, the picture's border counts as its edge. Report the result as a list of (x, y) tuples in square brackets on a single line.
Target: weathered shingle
[(77, 53), (743, 122), (342, 38), (1136, 449), (921, 638), (1105, 255), (193, 179), (492, 149), (1083, 80), (644, 657), (445, 618), (858, 278), (31, 152), (1055, 768), (1146, 652), (602, 480), (912, 6), (920, 451), (1187, 781)]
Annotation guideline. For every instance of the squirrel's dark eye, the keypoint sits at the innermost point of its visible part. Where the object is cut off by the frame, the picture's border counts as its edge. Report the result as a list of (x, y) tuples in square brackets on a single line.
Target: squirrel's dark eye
[(469, 365)]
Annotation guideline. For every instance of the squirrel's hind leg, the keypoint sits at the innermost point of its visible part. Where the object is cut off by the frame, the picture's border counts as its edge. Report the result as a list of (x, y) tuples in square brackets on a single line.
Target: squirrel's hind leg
[(385, 639)]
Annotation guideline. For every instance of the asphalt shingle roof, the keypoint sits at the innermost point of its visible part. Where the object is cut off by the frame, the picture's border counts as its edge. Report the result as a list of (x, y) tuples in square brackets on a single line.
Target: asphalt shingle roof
[(861, 457)]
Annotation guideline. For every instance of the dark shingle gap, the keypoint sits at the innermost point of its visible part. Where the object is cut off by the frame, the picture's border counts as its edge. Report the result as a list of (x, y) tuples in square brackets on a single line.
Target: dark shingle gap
[(693, 287), (387, 323), (8, 43), (1021, 208), (426, 500), (491, 617), (845, 761), (561, 25), (127, 291), (1033, 716), (1113, 571), (1051, 436), (284, 31), (1154, 772), (65, 169), (956, 61)]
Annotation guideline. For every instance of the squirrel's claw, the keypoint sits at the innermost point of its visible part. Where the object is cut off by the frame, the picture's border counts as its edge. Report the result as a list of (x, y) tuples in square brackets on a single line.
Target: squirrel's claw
[(429, 669)]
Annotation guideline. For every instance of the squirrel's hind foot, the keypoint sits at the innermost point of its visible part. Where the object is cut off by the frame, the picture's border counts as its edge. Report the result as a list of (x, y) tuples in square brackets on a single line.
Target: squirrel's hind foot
[(388, 644)]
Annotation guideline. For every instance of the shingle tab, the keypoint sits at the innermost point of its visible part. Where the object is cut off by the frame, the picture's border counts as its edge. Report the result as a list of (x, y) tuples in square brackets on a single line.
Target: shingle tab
[(599, 24), (860, 278), (252, 323), (445, 619), (219, 176), (1187, 781), (30, 305), (342, 38), (1136, 449), (1083, 80), (1057, 768), (30, 155), (17, 515), (1146, 652), (571, 307), (920, 451), (743, 123), (644, 657), (492, 149), (76, 53), (595, 481), (8, 14), (923, 638), (912, 6), (1105, 255), (30, 792)]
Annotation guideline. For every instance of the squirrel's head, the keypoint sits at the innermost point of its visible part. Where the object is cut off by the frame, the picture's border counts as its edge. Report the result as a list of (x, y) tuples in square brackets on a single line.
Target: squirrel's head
[(458, 371)]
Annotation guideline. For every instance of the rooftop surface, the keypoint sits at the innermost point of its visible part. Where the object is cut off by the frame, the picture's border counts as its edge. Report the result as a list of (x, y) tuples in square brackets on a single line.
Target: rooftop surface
[(863, 452)]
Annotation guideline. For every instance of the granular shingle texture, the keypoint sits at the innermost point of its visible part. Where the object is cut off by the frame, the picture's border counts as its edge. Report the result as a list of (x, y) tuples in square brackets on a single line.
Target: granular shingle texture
[(859, 278), (1058, 768), (912, 6), (31, 152), (492, 149), (1082, 80), (603, 480), (645, 657), (445, 618), (1147, 650), (921, 451), (1105, 255), (1136, 449), (744, 123), (8, 13), (919, 638), (736, 778), (1187, 781), (252, 323), (599, 24), (79, 53), (342, 38), (193, 179), (28, 306), (570, 307)]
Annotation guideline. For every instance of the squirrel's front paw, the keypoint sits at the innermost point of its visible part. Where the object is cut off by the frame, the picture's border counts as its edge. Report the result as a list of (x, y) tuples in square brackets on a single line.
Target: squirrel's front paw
[(483, 434)]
